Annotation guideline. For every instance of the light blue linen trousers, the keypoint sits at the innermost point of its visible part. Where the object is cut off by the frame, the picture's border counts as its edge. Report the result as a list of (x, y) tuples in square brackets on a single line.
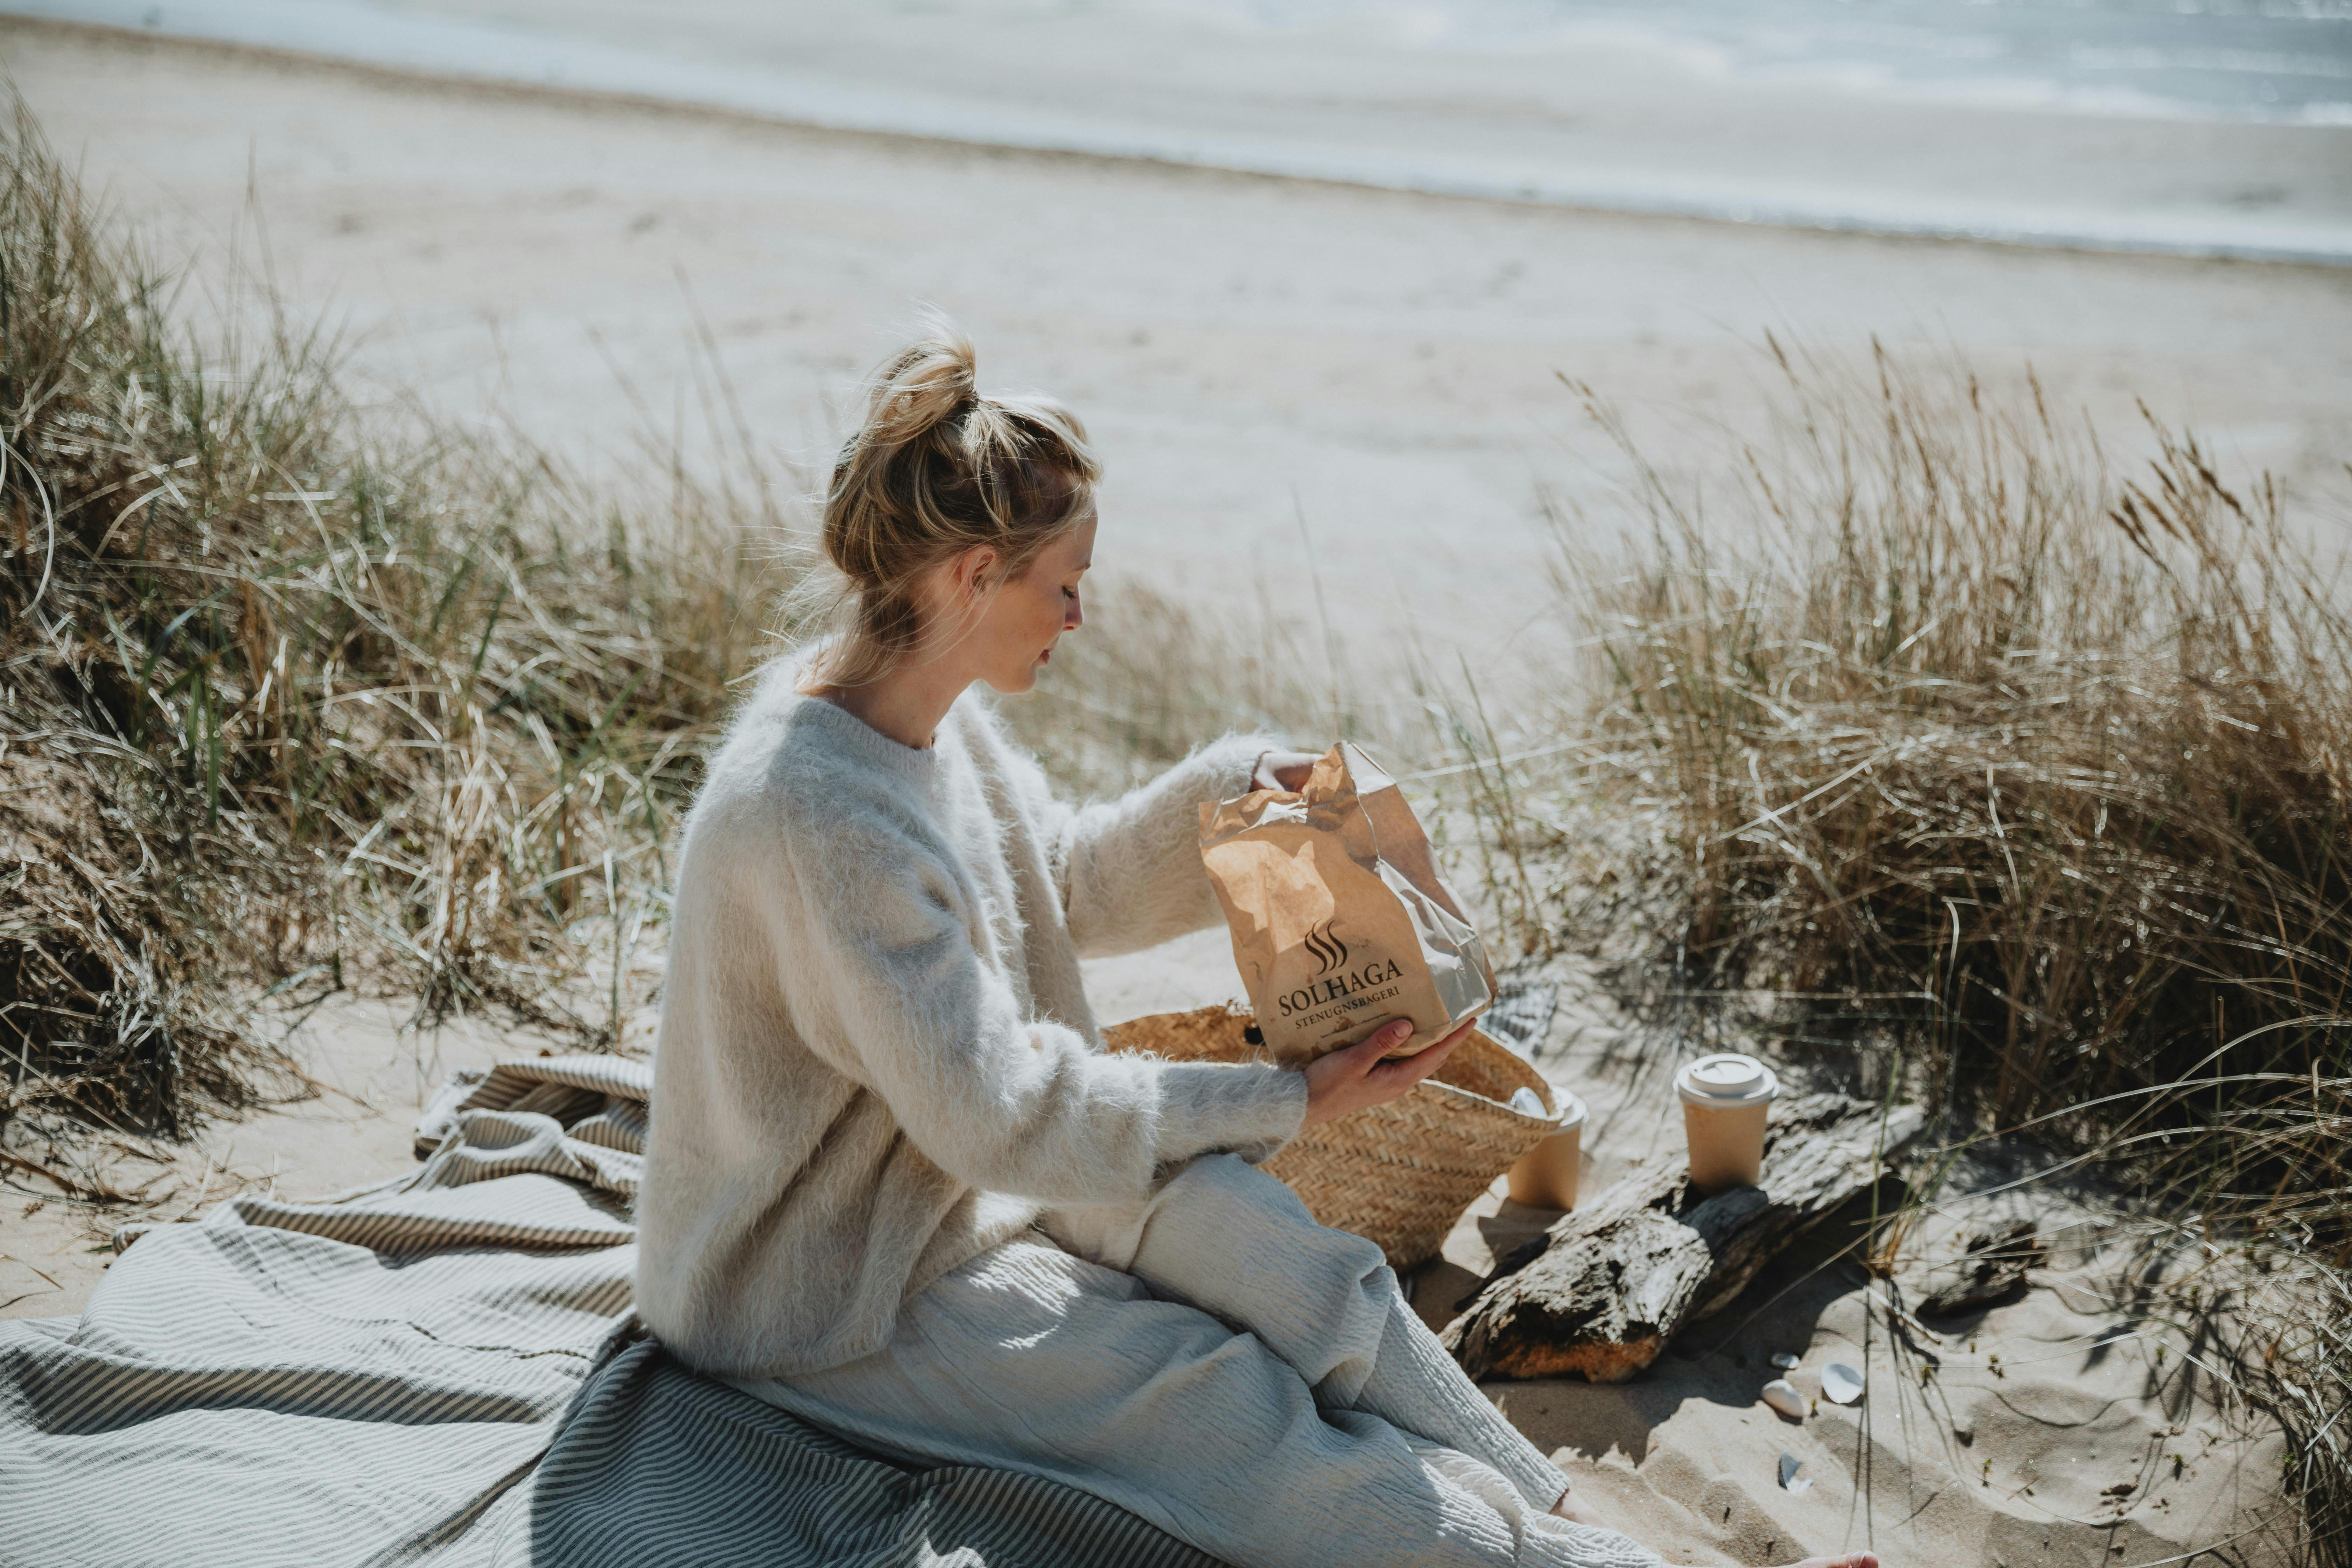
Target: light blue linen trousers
[(1216, 1361)]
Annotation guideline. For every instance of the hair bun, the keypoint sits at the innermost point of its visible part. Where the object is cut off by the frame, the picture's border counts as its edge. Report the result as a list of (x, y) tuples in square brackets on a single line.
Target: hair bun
[(921, 386)]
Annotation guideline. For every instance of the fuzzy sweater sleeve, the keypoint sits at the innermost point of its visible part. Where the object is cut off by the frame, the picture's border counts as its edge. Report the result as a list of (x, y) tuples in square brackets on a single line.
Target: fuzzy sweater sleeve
[(1129, 869), (1002, 1101)]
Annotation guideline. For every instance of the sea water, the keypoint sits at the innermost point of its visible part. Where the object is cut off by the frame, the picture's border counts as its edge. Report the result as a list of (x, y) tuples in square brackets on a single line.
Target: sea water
[(2283, 61), (1893, 116)]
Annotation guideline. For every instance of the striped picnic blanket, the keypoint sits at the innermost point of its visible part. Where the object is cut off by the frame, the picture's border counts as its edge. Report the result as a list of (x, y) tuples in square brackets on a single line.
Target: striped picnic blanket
[(443, 1369)]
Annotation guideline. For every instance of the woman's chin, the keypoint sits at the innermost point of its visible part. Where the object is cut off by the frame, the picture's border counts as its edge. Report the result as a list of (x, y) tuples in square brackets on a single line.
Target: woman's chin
[(1013, 683)]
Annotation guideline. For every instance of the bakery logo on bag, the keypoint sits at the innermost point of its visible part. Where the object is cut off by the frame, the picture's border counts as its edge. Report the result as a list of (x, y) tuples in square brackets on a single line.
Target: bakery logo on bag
[(1327, 947), (1344, 985), (1330, 953), (1293, 869)]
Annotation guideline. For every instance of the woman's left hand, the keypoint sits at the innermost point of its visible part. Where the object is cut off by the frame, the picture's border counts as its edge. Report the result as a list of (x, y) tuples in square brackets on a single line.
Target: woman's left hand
[(1284, 771), (1361, 1075)]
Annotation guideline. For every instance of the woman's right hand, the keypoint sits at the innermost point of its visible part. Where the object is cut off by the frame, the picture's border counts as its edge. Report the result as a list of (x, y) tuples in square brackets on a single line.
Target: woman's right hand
[(1357, 1077)]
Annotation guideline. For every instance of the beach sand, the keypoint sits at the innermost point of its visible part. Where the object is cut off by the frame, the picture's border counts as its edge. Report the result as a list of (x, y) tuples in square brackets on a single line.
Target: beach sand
[(2058, 1425), (354, 1122), (1271, 368)]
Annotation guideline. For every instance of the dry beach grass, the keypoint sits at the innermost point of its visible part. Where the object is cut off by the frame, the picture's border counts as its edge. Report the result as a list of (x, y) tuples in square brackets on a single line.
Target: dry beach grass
[(293, 696), (2019, 782)]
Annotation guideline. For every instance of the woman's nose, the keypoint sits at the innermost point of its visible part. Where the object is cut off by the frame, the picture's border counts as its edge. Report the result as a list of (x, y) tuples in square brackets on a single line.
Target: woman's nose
[(1073, 617)]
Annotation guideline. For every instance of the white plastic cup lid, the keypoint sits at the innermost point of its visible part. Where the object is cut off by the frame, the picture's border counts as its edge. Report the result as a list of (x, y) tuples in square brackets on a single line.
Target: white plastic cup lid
[(1727, 1079), (1528, 1102)]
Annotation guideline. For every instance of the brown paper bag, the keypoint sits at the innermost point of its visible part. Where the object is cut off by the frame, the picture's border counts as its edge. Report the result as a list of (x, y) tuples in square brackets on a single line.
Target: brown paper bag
[(1339, 916)]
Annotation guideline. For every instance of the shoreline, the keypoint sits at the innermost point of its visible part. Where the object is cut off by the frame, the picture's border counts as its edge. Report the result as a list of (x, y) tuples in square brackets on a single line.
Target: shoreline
[(439, 51), (1284, 378)]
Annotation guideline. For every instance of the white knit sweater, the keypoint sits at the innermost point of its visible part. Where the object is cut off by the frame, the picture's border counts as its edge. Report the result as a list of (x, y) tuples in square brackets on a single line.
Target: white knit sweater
[(876, 1057)]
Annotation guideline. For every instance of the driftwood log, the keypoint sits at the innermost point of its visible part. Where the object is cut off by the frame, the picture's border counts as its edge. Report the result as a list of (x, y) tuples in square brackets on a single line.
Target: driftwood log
[(1601, 1292)]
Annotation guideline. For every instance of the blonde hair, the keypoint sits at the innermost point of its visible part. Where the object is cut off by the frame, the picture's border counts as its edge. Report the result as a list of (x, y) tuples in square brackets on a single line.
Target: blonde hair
[(933, 469)]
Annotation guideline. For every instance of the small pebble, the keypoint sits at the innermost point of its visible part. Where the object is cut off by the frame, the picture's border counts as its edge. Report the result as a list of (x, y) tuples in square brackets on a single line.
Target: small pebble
[(1840, 1384), (1784, 1360), (1790, 1481), (1782, 1395)]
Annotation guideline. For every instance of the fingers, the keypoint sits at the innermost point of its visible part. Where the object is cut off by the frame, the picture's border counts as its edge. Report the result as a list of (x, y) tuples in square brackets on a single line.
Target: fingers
[(1354, 1062), (1369, 1058), (1365, 1056), (1421, 1063), (1410, 1070), (1361, 1075), (1445, 1048), (1284, 771)]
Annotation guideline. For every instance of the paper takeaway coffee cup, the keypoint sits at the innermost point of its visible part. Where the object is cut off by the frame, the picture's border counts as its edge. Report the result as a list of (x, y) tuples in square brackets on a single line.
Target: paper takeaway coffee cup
[(1545, 1176), (1726, 1099)]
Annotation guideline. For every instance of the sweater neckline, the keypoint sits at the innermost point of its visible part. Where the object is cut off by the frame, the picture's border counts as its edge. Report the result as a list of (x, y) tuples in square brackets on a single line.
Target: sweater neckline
[(871, 744)]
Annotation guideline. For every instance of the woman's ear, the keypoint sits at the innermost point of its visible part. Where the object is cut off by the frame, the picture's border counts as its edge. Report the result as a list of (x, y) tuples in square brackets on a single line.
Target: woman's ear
[(975, 572)]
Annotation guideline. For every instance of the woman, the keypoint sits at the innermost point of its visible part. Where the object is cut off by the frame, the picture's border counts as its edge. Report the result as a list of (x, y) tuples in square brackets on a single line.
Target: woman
[(893, 1184)]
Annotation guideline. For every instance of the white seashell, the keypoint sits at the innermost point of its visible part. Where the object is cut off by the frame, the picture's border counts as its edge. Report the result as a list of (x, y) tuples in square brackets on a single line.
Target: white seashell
[(1840, 1383), (1782, 1395), (1784, 1360), (1789, 1482), (1528, 1102)]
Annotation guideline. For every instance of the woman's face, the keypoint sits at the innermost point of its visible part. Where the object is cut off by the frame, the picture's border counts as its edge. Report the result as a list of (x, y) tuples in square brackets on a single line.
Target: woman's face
[(1022, 617)]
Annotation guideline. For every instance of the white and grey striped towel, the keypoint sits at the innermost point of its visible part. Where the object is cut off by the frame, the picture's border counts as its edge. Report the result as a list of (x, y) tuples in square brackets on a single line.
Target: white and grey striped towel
[(442, 1368)]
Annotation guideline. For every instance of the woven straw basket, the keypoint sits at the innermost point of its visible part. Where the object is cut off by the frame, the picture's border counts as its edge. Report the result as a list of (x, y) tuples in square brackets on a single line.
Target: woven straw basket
[(1398, 1173)]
